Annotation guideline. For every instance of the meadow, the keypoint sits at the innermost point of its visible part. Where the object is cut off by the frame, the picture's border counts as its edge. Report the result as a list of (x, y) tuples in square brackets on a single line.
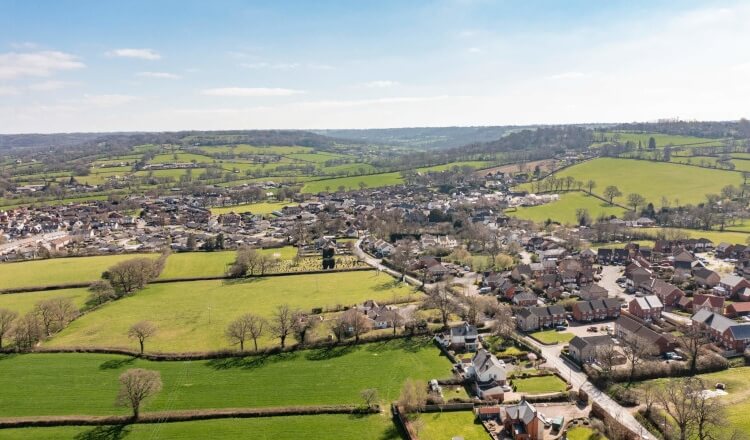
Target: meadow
[(22, 303), (564, 210), (192, 316), (652, 180), (262, 208), (86, 383), (57, 271), (318, 427), (715, 236), (454, 424), (662, 140), (352, 183), (212, 264), (252, 149)]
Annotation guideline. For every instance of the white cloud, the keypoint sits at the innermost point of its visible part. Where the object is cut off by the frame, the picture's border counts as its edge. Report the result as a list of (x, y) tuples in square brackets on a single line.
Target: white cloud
[(374, 102), (24, 45), (110, 100), (474, 50), (272, 66), (43, 63), (250, 92), (380, 84), (143, 54), (50, 85), (570, 75), (8, 91), (158, 75)]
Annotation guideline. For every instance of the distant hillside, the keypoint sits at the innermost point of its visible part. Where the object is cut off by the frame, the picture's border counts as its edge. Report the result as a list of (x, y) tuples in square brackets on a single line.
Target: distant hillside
[(424, 137)]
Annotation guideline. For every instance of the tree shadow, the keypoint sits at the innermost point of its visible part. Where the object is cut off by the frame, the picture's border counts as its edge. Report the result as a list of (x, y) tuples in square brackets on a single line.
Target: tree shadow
[(114, 364), (249, 362), (247, 280), (388, 285), (332, 352), (7, 356), (115, 432), (410, 344)]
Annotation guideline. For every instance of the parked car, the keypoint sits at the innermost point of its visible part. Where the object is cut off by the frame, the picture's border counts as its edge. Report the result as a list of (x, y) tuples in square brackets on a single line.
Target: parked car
[(672, 356), (561, 328), (592, 329)]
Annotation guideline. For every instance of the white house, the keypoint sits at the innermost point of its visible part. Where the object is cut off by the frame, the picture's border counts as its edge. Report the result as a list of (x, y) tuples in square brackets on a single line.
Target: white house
[(464, 336), (485, 367)]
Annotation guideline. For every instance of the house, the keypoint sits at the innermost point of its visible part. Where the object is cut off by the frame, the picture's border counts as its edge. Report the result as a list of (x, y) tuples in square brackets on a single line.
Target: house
[(534, 318), (647, 307), (593, 291), (706, 277), (683, 260), (485, 367), (731, 335), (489, 413), (710, 302), (668, 294), (523, 422), (730, 286), (598, 309), (738, 309), (628, 328), (464, 337), (604, 256), (525, 299), (584, 350)]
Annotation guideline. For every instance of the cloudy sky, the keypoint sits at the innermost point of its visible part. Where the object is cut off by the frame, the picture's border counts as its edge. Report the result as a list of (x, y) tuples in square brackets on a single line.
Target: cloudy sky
[(78, 65)]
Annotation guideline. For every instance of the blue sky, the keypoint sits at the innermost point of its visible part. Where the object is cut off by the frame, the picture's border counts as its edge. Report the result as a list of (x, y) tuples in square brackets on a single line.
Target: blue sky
[(171, 65)]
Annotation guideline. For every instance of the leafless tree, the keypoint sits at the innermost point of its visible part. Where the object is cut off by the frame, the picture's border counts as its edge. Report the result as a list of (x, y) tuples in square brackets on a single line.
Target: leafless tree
[(302, 326), (635, 349), (677, 400), (440, 297), (708, 412), (128, 276), (370, 396), (136, 385), (101, 292), (413, 395), (357, 323), (283, 323), (503, 325), (402, 255), (142, 331), (239, 330), (245, 262), (256, 328), (27, 331), (55, 313), (692, 340), (7, 317), (607, 356)]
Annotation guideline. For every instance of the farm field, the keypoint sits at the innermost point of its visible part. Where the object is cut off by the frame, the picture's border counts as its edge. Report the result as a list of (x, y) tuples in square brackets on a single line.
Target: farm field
[(262, 208), (86, 383), (351, 183), (564, 210), (540, 385), (319, 427), (662, 140), (22, 303), (653, 180), (185, 325), (56, 271), (212, 264), (474, 164), (453, 424), (180, 157), (715, 236), (244, 148)]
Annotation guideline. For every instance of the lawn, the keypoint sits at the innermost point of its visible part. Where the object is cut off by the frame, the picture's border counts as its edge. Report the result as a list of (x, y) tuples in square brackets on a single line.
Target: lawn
[(211, 264), (319, 427), (56, 271), (255, 208), (447, 425), (181, 310), (653, 180), (25, 302), (583, 433), (564, 210), (86, 383), (540, 385), (351, 183), (552, 337)]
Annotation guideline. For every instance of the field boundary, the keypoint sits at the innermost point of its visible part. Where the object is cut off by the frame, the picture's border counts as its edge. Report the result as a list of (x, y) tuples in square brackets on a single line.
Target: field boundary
[(183, 416)]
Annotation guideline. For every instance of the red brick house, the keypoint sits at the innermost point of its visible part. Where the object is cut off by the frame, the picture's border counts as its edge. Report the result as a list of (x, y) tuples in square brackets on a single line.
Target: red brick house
[(710, 302), (648, 307)]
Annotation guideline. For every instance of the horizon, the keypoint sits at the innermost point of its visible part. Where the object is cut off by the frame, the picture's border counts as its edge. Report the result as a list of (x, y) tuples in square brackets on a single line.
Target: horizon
[(175, 66)]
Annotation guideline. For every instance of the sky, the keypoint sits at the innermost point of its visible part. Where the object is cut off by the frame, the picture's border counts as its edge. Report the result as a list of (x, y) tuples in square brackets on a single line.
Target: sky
[(80, 65)]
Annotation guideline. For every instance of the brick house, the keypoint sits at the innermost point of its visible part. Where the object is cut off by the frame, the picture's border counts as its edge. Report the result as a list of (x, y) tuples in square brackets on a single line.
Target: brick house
[(648, 307), (710, 302), (593, 291), (584, 349), (629, 327), (668, 294)]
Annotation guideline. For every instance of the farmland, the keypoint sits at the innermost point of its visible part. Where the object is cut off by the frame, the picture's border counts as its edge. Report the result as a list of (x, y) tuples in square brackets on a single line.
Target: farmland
[(87, 383), (24, 302), (213, 264), (351, 183), (662, 140), (262, 208), (564, 210), (186, 325), (320, 427)]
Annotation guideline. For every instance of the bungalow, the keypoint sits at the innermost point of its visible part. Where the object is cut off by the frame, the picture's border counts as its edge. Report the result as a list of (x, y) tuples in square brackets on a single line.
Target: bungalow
[(738, 309), (523, 422), (585, 349), (646, 307), (593, 291), (465, 337)]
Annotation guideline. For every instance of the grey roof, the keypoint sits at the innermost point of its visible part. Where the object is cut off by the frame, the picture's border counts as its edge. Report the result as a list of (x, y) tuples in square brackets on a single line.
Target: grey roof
[(581, 343), (523, 411)]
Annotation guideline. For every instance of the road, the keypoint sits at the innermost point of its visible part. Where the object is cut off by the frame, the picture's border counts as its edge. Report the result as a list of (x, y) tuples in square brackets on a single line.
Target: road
[(374, 262)]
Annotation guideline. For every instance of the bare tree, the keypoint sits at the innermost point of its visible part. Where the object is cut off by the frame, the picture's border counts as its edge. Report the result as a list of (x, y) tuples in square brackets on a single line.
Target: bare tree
[(402, 255), (413, 395), (239, 330), (142, 331), (692, 340), (635, 200), (128, 276), (56, 313), (611, 192), (101, 292), (245, 262), (28, 331), (370, 396), (256, 328), (136, 385), (302, 326), (439, 297), (708, 412), (357, 323), (503, 326), (339, 327), (7, 317), (636, 349), (607, 356), (677, 400), (283, 323)]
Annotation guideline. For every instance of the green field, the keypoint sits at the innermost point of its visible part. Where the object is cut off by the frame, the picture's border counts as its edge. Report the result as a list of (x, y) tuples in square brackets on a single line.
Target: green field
[(715, 236), (662, 140), (539, 385), (582, 433), (58, 271), (314, 157), (25, 302), (181, 310), (564, 210), (653, 180), (212, 264), (319, 427), (448, 425), (352, 183), (180, 157), (448, 166), (262, 208), (87, 383), (269, 150), (552, 337)]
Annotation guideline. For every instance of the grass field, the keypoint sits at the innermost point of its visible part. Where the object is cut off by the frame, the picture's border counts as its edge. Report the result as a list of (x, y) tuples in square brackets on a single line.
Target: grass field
[(564, 210), (448, 425), (540, 385), (582, 433), (180, 157), (319, 427), (653, 180), (662, 140), (243, 148), (552, 337), (25, 302), (211, 264), (351, 183), (715, 236), (448, 166), (184, 324), (87, 383), (262, 208), (57, 271)]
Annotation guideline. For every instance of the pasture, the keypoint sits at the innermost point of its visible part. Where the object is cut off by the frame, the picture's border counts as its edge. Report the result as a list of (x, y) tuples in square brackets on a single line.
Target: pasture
[(564, 210), (252, 149), (662, 140), (352, 183), (212, 264), (22, 303), (653, 180), (318, 427), (454, 424), (57, 271), (262, 208), (86, 383), (715, 236), (192, 316)]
